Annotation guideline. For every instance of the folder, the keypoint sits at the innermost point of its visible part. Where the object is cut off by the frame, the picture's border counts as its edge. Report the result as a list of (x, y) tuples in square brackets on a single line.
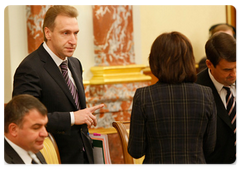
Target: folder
[(101, 152)]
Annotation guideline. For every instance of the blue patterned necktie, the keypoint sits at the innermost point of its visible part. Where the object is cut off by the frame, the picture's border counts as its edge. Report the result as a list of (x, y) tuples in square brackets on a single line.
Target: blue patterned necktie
[(70, 84), (231, 107)]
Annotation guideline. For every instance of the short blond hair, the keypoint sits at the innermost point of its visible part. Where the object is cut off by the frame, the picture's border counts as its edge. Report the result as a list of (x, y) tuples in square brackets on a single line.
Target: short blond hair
[(53, 12)]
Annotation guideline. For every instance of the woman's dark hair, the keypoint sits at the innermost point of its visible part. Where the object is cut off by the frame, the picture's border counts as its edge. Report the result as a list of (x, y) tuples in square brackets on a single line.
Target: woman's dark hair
[(171, 59)]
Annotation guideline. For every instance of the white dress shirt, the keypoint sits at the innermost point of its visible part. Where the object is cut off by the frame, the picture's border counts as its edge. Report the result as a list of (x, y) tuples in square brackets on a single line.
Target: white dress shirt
[(221, 91)]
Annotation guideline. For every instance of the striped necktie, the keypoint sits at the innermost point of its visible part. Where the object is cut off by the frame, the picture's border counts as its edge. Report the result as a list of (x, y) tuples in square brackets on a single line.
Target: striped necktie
[(231, 107), (70, 84), (35, 160)]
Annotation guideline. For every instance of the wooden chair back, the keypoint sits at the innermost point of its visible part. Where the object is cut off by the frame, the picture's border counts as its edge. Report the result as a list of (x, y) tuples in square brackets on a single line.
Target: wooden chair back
[(50, 150), (122, 128)]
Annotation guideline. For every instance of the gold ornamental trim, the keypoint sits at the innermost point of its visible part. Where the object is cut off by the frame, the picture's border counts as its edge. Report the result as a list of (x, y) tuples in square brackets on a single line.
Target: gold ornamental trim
[(118, 74)]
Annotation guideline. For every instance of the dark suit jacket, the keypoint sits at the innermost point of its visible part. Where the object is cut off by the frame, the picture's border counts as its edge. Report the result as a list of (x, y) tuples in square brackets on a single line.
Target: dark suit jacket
[(225, 149), (11, 156), (173, 123), (39, 76)]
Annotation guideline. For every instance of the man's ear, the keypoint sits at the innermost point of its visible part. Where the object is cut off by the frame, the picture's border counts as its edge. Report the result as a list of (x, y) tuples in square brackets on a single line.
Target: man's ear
[(209, 64), (47, 33), (13, 129)]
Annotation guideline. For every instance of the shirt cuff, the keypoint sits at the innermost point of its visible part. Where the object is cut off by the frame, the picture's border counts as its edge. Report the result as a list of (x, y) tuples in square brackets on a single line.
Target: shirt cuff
[(72, 118)]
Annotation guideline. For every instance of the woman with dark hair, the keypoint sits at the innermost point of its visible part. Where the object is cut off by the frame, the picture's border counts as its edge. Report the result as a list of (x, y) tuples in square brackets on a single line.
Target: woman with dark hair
[(174, 120)]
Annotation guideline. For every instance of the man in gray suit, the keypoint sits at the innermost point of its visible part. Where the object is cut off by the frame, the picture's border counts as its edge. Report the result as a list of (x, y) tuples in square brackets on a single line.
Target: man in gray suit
[(25, 118), (220, 75)]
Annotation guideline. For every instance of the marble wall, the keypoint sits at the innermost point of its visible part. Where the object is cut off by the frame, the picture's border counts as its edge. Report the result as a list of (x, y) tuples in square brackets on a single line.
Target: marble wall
[(35, 15), (113, 46), (117, 99), (113, 35)]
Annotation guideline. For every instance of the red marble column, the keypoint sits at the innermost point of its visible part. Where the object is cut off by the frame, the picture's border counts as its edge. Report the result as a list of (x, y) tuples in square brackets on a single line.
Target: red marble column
[(113, 46), (35, 17), (113, 35)]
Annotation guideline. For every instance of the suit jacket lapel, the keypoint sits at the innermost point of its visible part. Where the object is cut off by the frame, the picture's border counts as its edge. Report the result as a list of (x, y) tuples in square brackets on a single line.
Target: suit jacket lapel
[(53, 70), (41, 157), (11, 155), (221, 110)]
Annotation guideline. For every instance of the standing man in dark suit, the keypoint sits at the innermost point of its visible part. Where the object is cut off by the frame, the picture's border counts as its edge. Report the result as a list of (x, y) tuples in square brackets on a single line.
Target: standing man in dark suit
[(55, 77), (220, 75), (25, 118)]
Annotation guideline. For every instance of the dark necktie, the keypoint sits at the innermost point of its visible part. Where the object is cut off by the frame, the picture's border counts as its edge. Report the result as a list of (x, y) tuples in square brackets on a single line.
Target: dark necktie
[(33, 162), (231, 107), (70, 84)]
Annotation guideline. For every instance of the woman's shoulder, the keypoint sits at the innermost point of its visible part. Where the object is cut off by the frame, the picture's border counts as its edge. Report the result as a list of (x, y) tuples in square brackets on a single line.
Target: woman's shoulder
[(202, 87)]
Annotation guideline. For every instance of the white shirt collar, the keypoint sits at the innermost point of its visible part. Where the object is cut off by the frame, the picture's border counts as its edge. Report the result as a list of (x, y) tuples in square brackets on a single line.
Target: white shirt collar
[(219, 86), (221, 91), (55, 58), (21, 152)]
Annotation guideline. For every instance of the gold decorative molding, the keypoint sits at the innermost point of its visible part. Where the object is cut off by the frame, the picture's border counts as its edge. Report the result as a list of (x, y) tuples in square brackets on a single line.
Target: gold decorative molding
[(103, 131), (231, 15), (118, 74), (147, 71), (86, 82), (228, 14)]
